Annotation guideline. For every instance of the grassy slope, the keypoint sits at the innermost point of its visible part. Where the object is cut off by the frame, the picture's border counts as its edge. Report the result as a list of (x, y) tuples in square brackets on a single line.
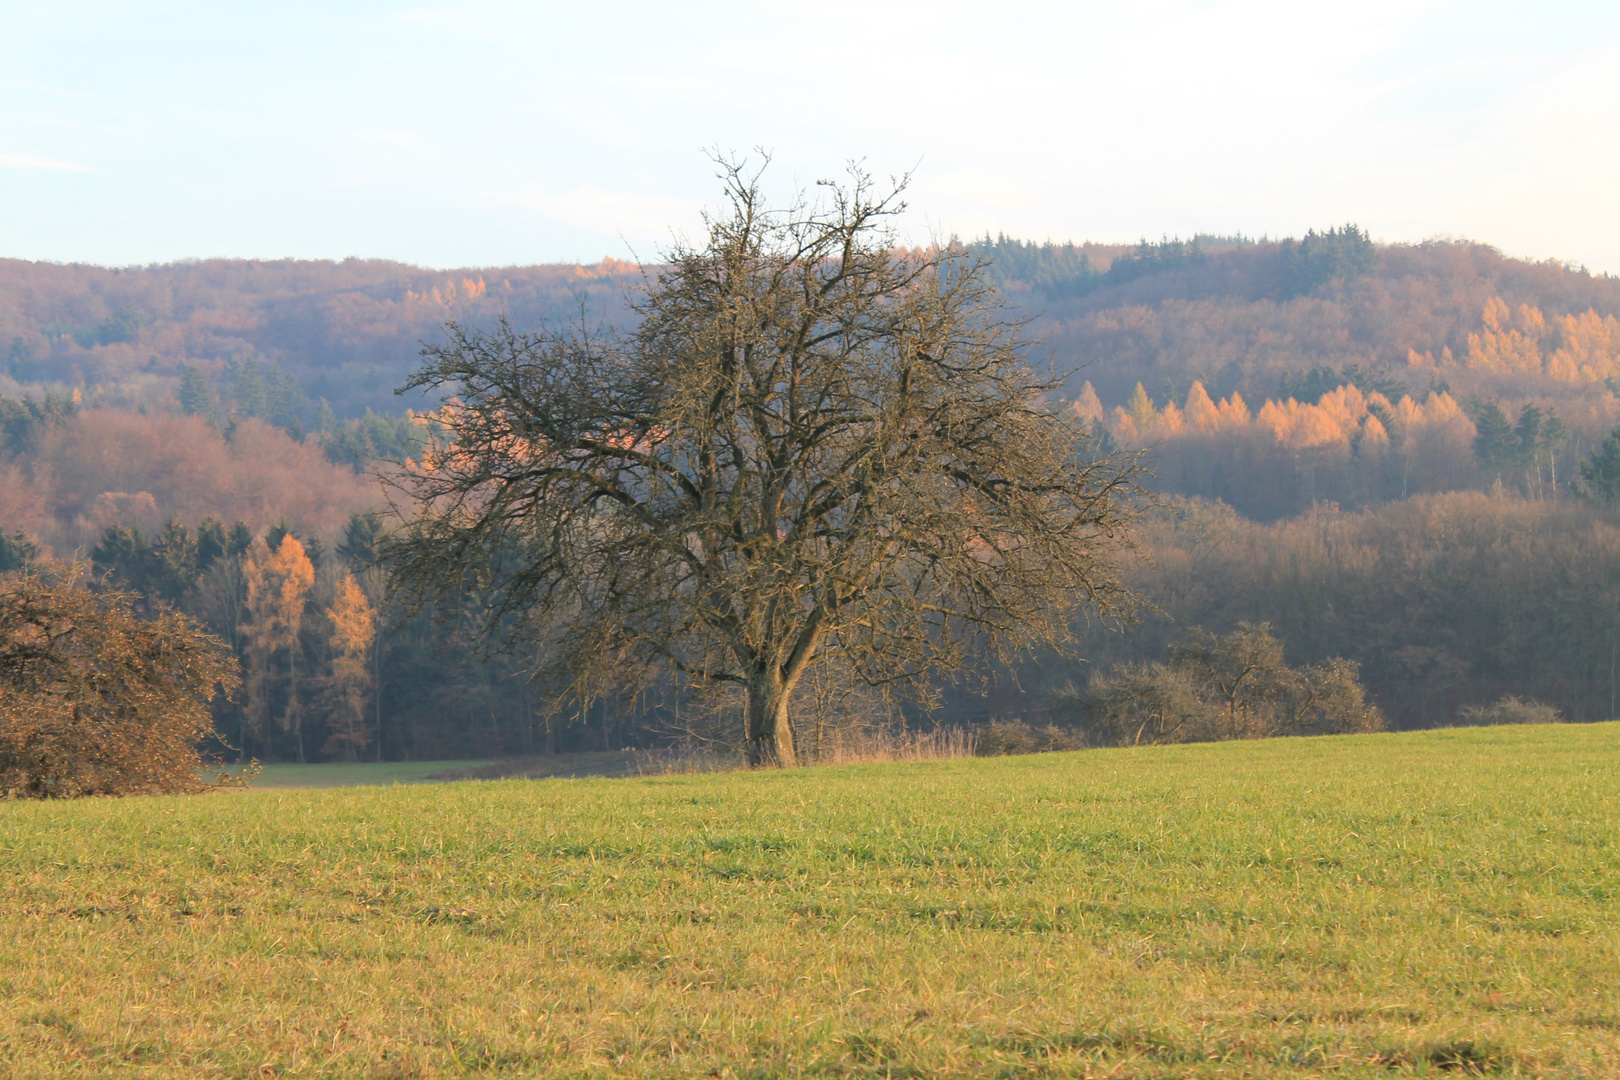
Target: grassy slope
[(360, 773), (1347, 907), (369, 773)]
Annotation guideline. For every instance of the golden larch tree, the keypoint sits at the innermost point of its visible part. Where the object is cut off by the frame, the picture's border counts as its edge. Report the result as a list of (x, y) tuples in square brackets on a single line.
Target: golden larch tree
[(354, 632), (278, 584)]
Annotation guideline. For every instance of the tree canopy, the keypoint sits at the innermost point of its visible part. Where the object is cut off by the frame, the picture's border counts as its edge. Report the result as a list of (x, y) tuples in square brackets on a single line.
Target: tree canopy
[(1601, 470), (1336, 254), (815, 447)]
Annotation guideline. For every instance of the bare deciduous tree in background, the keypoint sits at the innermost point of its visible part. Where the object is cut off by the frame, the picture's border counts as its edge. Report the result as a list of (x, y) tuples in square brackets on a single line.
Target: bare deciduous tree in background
[(1236, 686), (812, 446)]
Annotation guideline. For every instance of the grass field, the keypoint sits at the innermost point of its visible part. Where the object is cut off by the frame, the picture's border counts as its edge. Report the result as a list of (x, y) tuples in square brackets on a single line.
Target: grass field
[(359, 774), (372, 773), (1443, 903)]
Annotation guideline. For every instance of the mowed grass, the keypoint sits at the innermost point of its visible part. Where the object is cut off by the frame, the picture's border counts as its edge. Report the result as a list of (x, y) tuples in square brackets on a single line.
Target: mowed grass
[(1445, 903)]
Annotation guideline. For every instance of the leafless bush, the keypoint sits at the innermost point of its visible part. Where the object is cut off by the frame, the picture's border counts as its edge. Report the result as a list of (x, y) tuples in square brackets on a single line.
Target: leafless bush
[(1016, 737), (1509, 710), (94, 701), (1232, 687), (890, 745)]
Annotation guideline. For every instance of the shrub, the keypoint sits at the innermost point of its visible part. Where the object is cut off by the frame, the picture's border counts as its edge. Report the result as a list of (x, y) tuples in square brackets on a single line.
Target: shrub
[(1232, 687), (94, 701), (1016, 737), (1509, 710)]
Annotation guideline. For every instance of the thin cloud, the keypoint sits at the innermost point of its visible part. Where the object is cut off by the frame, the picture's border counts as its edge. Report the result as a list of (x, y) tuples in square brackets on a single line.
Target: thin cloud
[(25, 161)]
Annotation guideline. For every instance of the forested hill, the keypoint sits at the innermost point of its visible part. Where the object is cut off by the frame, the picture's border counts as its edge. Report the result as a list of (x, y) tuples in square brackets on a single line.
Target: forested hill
[(1241, 316), (1237, 315), (165, 420), (347, 332), (1271, 375)]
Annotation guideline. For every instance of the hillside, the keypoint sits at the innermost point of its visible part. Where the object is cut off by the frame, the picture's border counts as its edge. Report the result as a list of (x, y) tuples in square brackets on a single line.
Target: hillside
[(347, 332), (1372, 906), (1231, 315), (1398, 430), (1239, 319), (1277, 375), (1427, 337)]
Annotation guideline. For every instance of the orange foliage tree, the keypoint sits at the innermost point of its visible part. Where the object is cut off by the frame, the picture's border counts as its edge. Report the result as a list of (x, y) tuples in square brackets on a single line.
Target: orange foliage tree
[(354, 633), (278, 584)]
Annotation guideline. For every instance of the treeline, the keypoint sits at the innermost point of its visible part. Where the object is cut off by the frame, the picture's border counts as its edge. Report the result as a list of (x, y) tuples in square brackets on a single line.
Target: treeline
[(1061, 271), (264, 392), (1440, 608), (330, 671), (1543, 399), (1349, 446), (208, 430), (1446, 602), (271, 341), (1240, 320)]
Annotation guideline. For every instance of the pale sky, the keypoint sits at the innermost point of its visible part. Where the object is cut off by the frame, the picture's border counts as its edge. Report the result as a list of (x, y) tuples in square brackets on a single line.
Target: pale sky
[(489, 133)]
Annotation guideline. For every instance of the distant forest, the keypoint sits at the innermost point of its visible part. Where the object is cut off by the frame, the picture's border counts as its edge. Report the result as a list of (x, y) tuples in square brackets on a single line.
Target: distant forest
[(1372, 447)]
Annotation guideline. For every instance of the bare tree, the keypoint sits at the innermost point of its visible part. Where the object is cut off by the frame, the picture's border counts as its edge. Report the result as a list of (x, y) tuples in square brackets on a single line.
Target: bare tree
[(1237, 686), (814, 445), (94, 701)]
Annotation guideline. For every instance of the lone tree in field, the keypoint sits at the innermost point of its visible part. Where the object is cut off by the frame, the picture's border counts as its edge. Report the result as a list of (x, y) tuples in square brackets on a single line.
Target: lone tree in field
[(814, 447)]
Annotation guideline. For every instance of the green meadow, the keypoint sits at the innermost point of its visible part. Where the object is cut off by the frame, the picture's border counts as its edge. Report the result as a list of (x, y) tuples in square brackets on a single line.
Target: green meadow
[(351, 775), (1436, 904)]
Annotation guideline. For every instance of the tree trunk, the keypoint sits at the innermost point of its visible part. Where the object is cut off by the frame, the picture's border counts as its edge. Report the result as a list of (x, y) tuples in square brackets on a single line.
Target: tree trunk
[(295, 713), (770, 738), (376, 692)]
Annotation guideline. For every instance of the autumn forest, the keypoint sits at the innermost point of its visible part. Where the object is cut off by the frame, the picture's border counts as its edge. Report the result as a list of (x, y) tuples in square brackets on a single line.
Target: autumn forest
[(1398, 456)]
